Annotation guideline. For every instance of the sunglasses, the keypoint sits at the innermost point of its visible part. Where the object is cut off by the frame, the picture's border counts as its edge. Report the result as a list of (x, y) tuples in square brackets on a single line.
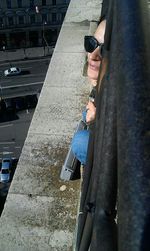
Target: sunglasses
[(91, 43)]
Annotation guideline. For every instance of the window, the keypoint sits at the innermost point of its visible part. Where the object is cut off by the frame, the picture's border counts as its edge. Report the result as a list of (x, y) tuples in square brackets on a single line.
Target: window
[(43, 2), (9, 4), (62, 16), (31, 3), (19, 3), (10, 21), (6, 160), (53, 2), (32, 19), (44, 18), (53, 17), (1, 22), (21, 20), (5, 171)]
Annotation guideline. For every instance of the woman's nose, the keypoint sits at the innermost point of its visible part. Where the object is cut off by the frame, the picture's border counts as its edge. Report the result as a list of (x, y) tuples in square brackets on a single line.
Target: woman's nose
[(95, 55)]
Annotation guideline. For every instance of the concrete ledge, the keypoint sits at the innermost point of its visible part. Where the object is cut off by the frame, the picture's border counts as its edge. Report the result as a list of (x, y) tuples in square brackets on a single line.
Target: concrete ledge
[(83, 10)]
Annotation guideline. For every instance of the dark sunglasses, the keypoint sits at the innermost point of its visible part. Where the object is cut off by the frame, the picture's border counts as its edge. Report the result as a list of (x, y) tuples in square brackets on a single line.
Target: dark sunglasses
[(91, 43)]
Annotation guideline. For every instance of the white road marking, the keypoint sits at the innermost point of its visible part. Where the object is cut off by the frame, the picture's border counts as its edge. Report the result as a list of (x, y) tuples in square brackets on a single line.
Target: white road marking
[(26, 68), (7, 143), (26, 76), (6, 125), (25, 62), (14, 86), (4, 153), (10, 81)]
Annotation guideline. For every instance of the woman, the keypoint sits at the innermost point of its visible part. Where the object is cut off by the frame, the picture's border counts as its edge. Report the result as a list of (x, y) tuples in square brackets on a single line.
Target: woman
[(93, 45)]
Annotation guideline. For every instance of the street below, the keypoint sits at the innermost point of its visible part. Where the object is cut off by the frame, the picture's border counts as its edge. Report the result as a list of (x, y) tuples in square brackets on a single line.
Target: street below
[(22, 90), (30, 80)]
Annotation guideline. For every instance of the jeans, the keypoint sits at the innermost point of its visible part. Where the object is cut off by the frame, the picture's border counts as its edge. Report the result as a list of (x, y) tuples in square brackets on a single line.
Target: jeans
[(80, 145)]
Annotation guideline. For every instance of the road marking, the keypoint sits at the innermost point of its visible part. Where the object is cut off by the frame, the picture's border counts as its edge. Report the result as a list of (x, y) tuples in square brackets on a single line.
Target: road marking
[(26, 68), (14, 86), (6, 125), (24, 77), (26, 61), (33, 75), (4, 153), (9, 143)]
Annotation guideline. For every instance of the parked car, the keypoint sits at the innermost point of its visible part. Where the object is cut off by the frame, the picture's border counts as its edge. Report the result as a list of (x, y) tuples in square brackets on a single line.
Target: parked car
[(12, 71), (5, 170), (10, 104), (31, 101), (20, 103)]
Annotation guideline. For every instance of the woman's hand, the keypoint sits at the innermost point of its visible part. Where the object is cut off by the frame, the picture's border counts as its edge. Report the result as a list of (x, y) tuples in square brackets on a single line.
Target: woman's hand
[(91, 112)]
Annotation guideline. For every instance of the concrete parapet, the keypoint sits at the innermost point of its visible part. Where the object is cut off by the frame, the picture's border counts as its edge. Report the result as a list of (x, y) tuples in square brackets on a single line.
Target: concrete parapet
[(40, 211)]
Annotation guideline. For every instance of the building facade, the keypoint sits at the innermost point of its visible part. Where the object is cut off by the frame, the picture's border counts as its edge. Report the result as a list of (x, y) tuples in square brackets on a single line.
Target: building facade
[(30, 23)]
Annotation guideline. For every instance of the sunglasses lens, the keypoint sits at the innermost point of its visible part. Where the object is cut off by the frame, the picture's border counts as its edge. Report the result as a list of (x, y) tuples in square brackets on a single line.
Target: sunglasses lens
[(90, 44)]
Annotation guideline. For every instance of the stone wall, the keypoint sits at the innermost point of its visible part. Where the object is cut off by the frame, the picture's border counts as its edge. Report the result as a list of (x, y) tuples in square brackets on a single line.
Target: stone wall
[(40, 211)]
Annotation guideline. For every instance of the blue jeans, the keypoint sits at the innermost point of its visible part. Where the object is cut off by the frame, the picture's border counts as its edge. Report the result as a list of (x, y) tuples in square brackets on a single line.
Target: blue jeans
[(80, 145)]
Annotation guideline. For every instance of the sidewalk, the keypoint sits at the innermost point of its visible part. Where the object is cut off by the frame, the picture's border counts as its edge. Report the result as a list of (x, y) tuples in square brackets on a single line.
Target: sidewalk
[(29, 53)]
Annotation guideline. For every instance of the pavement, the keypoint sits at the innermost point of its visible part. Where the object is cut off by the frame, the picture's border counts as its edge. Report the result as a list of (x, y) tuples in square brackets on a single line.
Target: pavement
[(24, 54)]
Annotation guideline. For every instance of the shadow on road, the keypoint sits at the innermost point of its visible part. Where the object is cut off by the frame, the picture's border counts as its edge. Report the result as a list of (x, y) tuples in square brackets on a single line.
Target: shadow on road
[(2, 202), (8, 116), (25, 72)]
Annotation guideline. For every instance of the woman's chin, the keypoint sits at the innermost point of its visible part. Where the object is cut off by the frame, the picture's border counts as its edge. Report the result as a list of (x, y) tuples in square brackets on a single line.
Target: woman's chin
[(93, 82), (92, 77)]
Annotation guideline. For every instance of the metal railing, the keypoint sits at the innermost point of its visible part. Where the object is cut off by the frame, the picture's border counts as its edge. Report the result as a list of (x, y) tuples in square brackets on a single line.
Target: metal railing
[(37, 24), (117, 175)]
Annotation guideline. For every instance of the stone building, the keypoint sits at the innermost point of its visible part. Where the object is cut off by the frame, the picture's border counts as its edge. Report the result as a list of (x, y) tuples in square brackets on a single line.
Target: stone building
[(30, 23)]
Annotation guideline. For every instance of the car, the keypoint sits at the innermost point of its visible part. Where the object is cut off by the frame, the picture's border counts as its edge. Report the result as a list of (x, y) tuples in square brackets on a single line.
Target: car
[(31, 101), (5, 170), (12, 71), (10, 105), (20, 103)]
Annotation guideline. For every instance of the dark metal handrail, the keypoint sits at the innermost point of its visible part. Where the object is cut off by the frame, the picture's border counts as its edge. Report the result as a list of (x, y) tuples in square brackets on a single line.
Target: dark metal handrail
[(119, 173)]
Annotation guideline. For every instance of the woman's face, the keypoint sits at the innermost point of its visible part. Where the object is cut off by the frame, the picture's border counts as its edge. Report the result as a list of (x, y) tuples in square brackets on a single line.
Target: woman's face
[(94, 58)]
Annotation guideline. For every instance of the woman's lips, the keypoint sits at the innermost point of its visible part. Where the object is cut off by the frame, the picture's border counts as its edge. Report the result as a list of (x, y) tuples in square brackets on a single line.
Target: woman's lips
[(93, 67)]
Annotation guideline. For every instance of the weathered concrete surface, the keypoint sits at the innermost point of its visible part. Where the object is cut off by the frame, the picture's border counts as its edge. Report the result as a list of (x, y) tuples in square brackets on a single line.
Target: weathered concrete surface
[(81, 10), (40, 211)]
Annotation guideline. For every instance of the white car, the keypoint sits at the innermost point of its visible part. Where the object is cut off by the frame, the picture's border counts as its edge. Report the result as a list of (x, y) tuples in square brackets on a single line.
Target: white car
[(12, 71), (5, 170)]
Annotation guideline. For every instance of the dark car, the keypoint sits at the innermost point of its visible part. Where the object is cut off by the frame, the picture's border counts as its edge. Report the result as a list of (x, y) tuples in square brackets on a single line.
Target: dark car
[(10, 104), (20, 103), (31, 101)]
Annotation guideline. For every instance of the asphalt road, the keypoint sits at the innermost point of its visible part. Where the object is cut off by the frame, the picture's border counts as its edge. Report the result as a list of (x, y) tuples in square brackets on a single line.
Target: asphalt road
[(29, 82), (13, 134), (14, 125)]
